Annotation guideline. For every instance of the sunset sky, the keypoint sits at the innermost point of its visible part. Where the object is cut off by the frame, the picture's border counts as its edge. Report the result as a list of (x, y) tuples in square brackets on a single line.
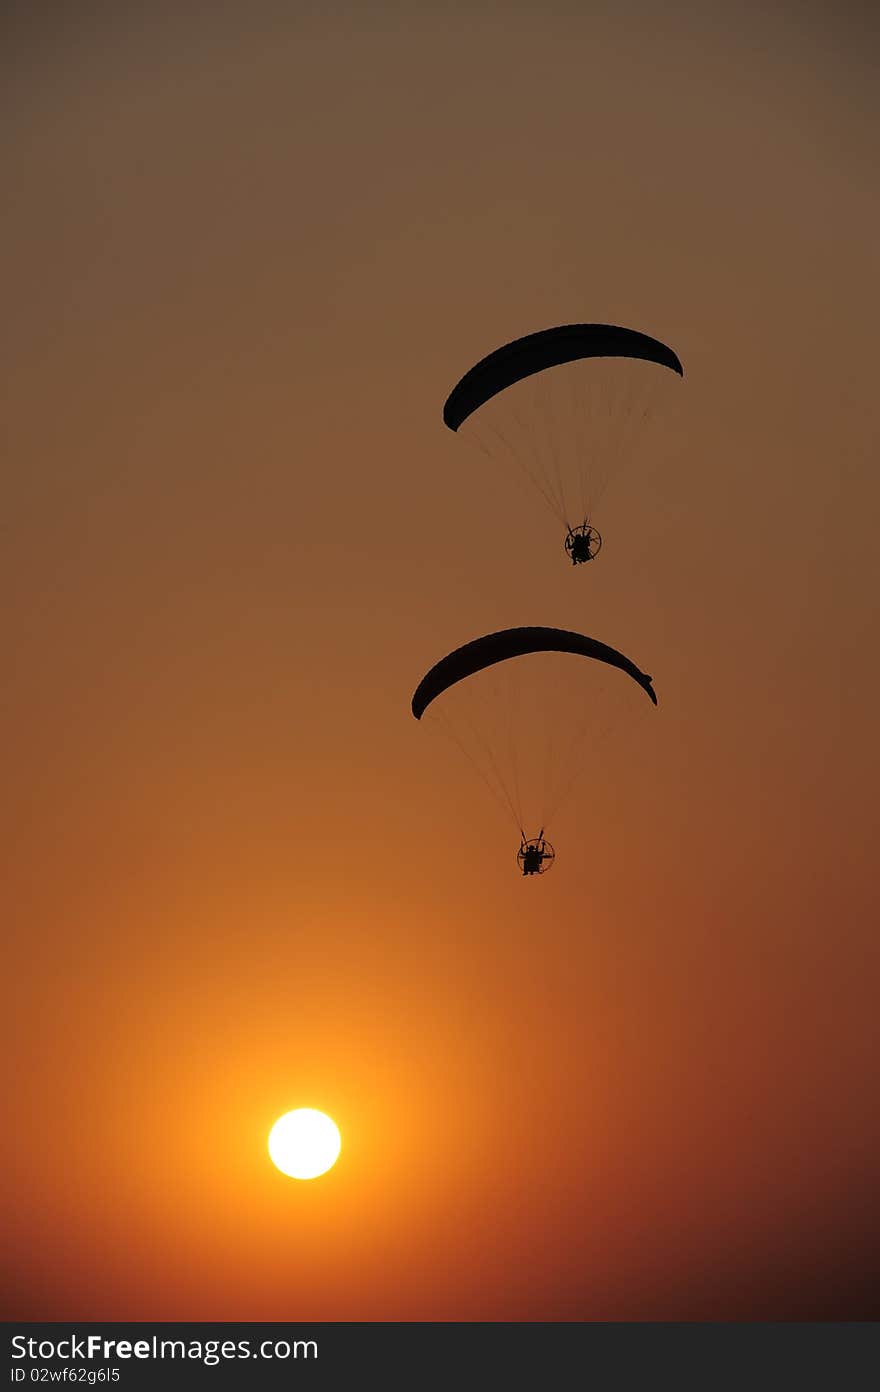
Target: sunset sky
[(247, 251)]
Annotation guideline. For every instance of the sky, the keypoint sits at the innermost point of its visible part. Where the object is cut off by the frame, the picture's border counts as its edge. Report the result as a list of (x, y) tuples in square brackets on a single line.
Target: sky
[(247, 251)]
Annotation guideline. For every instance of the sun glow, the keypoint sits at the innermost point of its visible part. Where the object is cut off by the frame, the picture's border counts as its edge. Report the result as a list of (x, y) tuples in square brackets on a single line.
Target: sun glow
[(304, 1143)]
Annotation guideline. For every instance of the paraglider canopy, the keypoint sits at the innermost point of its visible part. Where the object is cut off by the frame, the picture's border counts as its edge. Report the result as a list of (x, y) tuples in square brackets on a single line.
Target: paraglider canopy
[(549, 348), (515, 642)]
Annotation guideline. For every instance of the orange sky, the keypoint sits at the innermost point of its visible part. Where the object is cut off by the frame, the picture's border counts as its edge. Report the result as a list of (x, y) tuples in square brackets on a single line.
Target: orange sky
[(246, 256)]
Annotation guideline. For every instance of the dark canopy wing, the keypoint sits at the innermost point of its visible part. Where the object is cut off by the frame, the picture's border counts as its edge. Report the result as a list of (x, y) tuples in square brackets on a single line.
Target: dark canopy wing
[(514, 642), (549, 348)]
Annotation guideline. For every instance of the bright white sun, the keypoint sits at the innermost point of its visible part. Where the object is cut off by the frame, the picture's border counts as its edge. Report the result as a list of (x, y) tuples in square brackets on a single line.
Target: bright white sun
[(304, 1143)]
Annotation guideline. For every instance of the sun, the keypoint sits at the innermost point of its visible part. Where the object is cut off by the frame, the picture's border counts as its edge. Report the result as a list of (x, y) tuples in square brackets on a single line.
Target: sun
[(304, 1143)]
